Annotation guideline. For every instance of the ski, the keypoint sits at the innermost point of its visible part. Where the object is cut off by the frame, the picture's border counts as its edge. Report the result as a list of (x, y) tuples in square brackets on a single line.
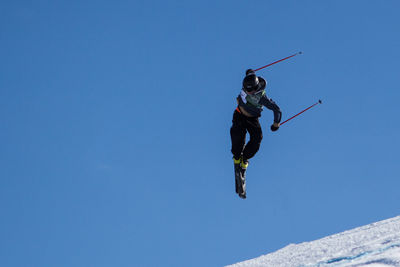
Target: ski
[(240, 182)]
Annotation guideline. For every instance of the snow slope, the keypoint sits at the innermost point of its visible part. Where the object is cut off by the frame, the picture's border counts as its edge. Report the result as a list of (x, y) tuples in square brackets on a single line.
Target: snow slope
[(373, 245)]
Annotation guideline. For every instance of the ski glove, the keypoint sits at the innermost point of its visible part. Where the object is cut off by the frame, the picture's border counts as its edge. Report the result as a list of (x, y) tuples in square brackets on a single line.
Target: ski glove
[(275, 127)]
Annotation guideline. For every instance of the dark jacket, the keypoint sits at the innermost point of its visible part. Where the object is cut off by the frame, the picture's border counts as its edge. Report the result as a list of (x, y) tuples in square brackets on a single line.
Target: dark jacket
[(252, 104)]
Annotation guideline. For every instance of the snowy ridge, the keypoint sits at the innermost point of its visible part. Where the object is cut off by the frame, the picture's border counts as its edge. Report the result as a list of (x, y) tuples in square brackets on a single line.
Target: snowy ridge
[(373, 245)]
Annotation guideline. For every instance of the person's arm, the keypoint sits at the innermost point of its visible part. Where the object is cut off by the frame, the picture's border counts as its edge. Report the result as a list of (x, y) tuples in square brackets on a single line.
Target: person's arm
[(270, 104)]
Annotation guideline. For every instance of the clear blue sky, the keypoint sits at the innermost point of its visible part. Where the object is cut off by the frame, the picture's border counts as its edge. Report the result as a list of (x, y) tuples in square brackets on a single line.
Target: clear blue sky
[(115, 118)]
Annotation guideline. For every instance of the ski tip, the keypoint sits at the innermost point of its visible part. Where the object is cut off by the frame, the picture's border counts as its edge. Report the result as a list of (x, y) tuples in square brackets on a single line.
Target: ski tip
[(300, 52), (242, 196), (320, 101)]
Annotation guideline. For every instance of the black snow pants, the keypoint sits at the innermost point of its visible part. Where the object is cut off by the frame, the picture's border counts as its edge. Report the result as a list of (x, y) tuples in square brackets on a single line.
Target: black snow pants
[(242, 124)]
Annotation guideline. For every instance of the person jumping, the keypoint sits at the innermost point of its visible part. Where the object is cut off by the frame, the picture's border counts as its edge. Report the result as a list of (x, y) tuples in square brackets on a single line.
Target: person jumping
[(251, 100)]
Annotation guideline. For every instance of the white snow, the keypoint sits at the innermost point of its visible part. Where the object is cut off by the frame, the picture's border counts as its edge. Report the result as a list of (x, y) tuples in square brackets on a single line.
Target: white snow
[(373, 245)]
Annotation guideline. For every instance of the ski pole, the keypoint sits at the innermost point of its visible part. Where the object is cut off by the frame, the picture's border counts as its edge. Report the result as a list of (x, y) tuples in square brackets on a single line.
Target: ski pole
[(298, 53), (319, 102)]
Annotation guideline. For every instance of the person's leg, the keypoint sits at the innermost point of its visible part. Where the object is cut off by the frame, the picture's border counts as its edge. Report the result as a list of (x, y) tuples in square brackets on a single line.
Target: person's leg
[(254, 128), (238, 134)]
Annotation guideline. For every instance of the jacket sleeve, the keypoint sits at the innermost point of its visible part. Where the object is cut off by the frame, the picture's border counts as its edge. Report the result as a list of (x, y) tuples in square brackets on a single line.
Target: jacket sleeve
[(270, 104)]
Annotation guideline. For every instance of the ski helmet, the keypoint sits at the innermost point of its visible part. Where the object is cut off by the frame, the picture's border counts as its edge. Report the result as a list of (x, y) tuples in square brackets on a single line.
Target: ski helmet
[(251, 82)]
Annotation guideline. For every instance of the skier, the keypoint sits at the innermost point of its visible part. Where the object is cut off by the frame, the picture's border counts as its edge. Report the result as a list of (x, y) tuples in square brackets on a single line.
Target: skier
[(251, 100)]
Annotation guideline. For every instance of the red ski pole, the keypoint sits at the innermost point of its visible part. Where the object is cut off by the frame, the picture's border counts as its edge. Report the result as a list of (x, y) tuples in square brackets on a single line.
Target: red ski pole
[(298, 53), (319, 102)]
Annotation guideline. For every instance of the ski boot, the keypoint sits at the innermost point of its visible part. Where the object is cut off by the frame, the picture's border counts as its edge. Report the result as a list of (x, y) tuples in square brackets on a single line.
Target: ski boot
[(244, 163)]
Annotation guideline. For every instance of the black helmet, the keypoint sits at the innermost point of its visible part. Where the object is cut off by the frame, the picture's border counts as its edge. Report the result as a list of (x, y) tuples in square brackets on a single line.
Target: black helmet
[(251, 82)]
